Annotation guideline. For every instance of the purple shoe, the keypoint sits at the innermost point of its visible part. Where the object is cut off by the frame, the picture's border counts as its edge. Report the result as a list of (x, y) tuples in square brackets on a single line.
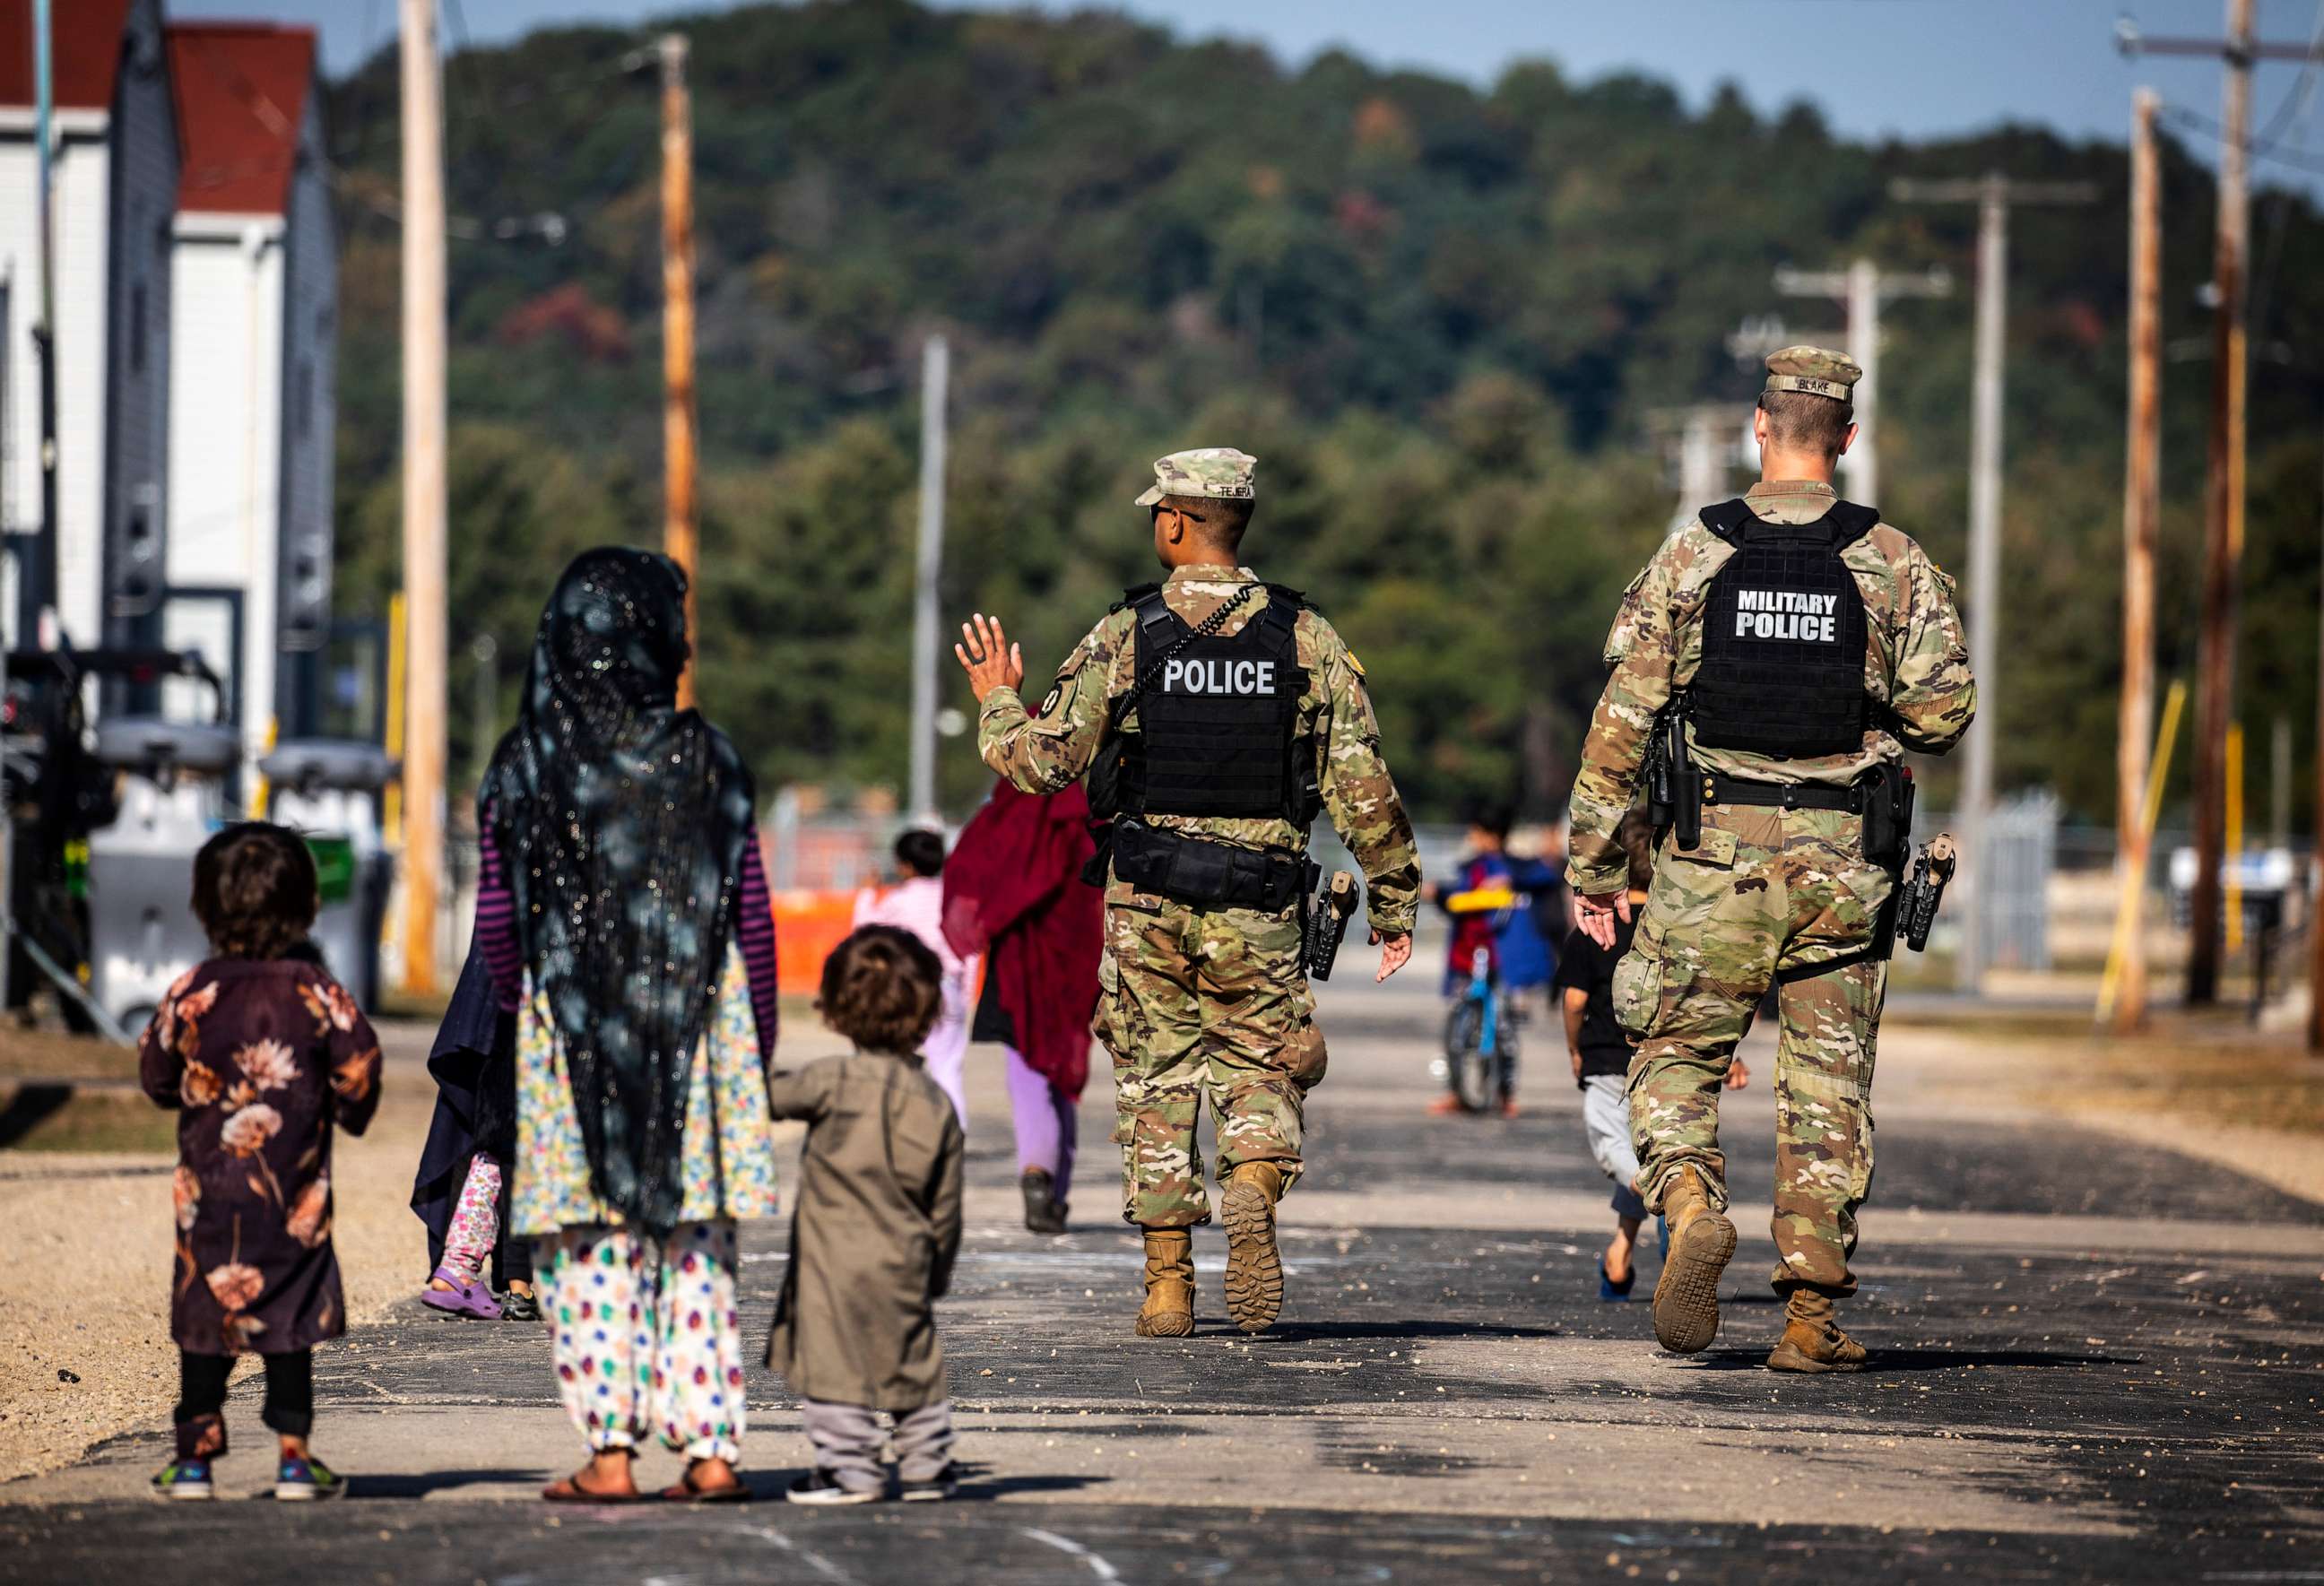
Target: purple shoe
[(465, 1297)]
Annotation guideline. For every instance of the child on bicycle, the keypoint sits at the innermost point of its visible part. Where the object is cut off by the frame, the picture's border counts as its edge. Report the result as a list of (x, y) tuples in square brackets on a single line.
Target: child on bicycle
[(1501, 906), (1601, 1054)]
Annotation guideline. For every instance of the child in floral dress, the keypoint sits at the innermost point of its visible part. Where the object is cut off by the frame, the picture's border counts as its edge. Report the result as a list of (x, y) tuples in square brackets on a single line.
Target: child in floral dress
[(263, 1054)]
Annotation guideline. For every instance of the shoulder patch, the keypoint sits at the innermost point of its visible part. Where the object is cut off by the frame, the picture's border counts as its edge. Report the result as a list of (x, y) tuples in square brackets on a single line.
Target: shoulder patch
[(1049, 700)]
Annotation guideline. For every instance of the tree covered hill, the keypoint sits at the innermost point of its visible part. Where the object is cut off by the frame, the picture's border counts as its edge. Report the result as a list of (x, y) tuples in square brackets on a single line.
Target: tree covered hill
[(1444, 319)]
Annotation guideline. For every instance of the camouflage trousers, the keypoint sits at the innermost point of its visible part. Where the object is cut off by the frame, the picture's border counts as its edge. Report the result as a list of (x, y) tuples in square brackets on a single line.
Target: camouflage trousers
[(1193, 1001), (1768, 897)]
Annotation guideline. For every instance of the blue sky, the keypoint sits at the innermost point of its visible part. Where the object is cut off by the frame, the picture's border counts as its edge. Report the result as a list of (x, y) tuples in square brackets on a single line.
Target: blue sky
[(1875, 67)]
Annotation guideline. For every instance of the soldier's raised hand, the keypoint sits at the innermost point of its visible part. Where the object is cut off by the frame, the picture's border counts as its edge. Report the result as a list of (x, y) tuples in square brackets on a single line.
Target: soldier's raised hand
[(987, 656)]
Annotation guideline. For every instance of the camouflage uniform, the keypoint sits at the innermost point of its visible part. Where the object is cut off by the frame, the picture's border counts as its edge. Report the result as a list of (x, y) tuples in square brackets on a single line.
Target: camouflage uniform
[(1212, 999), (1768, 893)]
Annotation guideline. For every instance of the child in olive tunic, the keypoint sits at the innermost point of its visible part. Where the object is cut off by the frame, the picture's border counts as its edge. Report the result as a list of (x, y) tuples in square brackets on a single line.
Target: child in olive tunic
[(875, 1230), (263, 1054)]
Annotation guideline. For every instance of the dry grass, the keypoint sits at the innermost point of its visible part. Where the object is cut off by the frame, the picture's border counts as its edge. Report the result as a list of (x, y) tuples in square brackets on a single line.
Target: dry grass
[(33, 1053), (84, 1120), (2193, 1073)]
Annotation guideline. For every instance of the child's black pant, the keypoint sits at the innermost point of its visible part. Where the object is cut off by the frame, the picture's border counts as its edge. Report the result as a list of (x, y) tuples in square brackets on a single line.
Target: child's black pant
[(201, 1399)]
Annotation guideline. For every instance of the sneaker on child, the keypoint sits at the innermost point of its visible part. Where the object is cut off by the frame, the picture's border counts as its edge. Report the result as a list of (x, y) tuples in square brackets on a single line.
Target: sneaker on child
[(819, 1486), (180, 1480)]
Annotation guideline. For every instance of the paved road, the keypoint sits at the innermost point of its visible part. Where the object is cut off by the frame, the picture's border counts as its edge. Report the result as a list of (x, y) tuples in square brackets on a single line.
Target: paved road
[(2092, 1361)]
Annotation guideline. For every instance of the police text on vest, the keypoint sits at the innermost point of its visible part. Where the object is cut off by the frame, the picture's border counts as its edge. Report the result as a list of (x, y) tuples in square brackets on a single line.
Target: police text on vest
[(1218, 676), (1786, 614)]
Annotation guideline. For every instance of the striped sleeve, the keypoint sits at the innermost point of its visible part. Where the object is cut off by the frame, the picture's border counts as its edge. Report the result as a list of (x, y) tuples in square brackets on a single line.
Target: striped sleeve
[(754, 933), (496, 920)]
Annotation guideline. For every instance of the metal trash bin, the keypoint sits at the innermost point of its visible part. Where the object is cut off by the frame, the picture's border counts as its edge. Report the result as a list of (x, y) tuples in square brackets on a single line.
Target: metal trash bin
[(328, 790), (142, 933)]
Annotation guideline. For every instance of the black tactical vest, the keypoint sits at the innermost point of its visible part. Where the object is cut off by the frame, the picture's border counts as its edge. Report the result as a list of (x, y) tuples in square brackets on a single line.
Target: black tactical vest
[(1783, 637), (1218, 718)]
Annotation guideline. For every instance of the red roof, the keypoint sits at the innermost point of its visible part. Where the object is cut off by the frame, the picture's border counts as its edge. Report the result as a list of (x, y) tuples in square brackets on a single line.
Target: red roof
[(85, 44), (242, 89)]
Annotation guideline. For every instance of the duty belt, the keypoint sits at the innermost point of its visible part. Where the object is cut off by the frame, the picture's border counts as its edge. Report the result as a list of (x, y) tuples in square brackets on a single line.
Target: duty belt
[(1717, 787), (1205, 874)]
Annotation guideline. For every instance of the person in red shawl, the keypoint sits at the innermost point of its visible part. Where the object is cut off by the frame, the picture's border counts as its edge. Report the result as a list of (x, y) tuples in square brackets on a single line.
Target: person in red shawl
[(1013, 890)]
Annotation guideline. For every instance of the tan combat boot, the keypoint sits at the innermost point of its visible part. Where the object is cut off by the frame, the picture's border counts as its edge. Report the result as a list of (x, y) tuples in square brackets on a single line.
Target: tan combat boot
[(1254, 1270), (1701, 1242), (1813, 1341), (1169, 1308)]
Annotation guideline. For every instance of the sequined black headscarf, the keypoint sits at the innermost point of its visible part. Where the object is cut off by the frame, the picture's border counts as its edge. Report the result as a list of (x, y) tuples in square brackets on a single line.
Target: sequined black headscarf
[(622, 820)]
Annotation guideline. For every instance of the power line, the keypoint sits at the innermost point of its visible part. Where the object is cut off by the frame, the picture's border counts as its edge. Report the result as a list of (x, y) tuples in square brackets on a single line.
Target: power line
[(2296, 100), (2196, 120)]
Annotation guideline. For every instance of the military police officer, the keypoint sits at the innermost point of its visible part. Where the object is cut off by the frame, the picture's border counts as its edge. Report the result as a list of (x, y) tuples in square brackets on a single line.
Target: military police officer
[(1805, 644), (1216, 715)]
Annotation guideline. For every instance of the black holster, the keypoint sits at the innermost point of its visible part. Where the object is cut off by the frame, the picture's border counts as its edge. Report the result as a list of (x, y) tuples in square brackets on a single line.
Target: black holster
[(1888, 801), (1203, 875), (1674, 792)]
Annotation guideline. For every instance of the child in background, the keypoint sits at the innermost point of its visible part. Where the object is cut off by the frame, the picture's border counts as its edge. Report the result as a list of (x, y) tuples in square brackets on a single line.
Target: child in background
[(874, 1231), (1601, 1054), (916, 904), (461, 1192), (1515, 939), (263, 1054)]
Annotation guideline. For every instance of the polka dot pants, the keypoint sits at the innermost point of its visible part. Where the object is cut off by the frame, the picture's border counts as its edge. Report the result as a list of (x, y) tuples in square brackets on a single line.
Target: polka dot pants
[(648, 1341)]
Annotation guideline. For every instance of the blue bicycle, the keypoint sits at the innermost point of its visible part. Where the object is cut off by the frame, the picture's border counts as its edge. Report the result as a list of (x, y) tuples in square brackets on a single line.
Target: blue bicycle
[(1480, 1027)]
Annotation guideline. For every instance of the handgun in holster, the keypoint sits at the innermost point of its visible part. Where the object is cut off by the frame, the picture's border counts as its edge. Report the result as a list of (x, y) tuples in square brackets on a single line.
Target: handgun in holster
[(1324, 923), (1919, 898)]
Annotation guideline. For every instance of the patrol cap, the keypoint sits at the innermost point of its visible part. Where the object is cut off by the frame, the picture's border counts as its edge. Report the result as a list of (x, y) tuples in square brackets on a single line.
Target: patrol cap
[(1817, 371), (1219, 473)]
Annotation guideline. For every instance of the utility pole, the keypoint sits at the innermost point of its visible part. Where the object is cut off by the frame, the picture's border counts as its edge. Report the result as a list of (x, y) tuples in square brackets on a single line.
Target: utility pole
[(2223, 496), (2315, 905), (1993, 193), (1701, 443), (2142, 511), (680, 513), (2223, 514), (935, 374), (1862, 287), (424, 501), (36, 571)]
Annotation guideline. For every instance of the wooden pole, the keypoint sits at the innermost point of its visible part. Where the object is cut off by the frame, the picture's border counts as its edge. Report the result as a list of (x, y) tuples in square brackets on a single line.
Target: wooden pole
[(2316, 906), (2150, 811), (424, 502), (2223, 516), (680, 514), (2233, 826), (2141, 506)]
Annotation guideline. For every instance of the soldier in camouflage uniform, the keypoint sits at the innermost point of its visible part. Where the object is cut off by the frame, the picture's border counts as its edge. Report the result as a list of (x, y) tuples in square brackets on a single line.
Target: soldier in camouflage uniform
[(1202, 997), (1779, 888)]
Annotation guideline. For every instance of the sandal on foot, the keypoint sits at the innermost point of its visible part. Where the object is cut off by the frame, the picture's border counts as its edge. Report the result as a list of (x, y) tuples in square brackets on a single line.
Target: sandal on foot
[(568, 1489), (685, 1492), (465, 1297)]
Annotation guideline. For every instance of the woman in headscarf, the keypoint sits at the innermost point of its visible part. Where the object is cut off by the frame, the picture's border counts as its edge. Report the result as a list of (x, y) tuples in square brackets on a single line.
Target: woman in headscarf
[(625, 914), (1013, 888)]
